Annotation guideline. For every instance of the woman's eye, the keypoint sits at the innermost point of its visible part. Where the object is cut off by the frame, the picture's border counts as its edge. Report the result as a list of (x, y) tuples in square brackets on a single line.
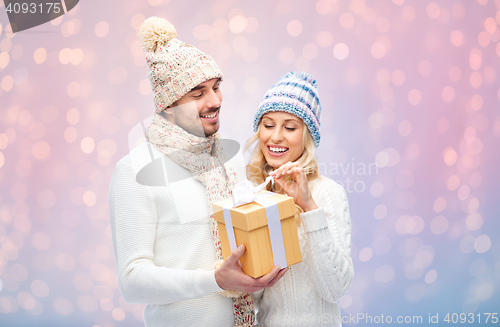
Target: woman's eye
[(268, 126), (291, 129)]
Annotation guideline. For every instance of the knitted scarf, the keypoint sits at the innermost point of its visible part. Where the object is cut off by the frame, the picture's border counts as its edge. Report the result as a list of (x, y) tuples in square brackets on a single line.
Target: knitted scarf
[(204, 158)]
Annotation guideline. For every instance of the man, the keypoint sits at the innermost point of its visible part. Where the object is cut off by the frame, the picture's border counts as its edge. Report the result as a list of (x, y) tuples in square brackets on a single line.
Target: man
[(165, 238)]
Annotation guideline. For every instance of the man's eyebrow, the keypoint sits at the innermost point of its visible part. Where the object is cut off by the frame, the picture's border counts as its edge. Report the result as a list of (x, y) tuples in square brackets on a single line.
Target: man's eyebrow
[(199, 87)]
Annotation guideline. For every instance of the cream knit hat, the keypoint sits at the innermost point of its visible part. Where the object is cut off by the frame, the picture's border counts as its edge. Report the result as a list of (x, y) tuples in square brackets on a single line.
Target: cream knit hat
[(174, 67)]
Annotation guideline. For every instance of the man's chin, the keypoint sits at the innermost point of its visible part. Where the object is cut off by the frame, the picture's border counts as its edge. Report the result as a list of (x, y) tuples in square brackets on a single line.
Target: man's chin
[(211, 130)]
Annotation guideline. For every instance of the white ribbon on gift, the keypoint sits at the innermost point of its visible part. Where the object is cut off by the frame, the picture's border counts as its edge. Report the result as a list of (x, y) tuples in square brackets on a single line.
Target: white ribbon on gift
[(243, 193)]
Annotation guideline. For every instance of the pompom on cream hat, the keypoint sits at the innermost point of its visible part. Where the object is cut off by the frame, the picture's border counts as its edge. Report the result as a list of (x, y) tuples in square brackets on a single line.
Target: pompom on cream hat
[(174, 67)]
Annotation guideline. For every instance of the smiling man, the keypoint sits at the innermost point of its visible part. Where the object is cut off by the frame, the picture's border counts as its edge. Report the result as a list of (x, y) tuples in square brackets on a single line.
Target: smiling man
[(198, 111), (165, 238)]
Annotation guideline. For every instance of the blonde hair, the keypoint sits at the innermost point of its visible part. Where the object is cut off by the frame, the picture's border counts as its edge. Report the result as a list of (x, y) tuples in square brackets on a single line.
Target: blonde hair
[(258, 169)]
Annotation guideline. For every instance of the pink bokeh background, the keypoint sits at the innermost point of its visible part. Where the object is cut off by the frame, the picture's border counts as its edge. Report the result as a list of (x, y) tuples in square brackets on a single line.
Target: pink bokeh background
[(411, 125)]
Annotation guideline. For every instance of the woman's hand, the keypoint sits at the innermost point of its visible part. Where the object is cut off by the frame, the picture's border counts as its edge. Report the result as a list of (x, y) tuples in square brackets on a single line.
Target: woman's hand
[(297, 187)]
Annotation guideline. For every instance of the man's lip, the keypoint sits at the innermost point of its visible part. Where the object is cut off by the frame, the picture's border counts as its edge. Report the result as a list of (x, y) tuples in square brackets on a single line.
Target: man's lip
[(211, 120)]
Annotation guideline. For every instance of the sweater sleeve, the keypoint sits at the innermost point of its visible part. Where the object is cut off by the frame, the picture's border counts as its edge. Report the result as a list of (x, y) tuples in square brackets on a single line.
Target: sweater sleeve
[(329, 232), (133, 225)]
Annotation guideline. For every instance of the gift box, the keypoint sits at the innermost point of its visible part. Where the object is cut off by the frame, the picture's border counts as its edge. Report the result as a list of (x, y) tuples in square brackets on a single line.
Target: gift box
[(268, 231)]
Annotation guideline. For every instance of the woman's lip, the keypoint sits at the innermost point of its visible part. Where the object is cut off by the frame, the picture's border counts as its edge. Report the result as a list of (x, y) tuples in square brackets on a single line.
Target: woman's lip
[(212, 120), (276, 154)]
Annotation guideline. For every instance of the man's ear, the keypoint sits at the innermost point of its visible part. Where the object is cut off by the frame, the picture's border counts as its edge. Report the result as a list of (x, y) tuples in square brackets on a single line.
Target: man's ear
[(168, 113)]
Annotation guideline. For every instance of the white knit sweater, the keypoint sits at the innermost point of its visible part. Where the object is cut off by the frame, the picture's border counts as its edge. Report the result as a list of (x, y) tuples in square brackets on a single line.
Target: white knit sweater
[(163, 243), (308, 293)]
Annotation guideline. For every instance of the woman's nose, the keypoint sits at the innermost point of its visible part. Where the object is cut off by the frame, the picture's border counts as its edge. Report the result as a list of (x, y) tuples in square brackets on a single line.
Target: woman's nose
[(277, 135)]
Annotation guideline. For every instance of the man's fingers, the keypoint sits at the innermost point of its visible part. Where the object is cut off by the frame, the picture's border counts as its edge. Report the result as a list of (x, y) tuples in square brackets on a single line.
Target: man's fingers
[(266, 279), (236, 254), (278, 277)]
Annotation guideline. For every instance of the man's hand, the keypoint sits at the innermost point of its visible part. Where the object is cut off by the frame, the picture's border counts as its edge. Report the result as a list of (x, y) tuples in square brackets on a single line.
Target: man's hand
[(229, 276)]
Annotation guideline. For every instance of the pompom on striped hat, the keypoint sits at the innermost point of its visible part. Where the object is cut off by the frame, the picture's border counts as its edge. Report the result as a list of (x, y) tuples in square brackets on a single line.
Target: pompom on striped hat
[(174, 67), (297, 94)]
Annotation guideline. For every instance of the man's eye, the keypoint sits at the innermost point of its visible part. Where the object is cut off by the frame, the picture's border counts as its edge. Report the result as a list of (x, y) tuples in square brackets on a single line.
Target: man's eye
[(197, 96), (216, 88)]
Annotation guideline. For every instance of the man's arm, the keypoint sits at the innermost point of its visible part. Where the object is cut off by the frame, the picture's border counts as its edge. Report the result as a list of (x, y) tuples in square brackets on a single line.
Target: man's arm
[(133, 224)]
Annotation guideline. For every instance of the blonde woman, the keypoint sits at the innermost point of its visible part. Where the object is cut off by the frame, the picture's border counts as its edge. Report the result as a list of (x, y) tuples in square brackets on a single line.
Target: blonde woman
[(287, 132)]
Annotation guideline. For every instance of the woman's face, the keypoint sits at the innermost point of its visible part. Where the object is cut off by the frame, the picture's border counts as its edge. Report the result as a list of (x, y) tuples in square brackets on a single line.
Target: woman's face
[(280, 138)]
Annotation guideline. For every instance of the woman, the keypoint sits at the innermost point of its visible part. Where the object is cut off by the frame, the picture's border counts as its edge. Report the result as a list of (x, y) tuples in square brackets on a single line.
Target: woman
[(286, 129)]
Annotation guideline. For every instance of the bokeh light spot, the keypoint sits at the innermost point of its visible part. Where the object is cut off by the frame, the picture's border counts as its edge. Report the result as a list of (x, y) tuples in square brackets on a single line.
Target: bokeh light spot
[(482, 244), (294, 28), (39, 55), (87, 144), (431, 276), (346, 20), (457, 38), (365, 254), (450, 156), (101, 29), (380, 211), (414, 97), (378, 50), (448, 93), (41, 150), (439, 225), (237, 24), (340, 51)]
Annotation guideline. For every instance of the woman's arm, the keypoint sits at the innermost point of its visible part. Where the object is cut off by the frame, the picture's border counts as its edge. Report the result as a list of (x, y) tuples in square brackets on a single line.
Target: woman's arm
[(329, 232)]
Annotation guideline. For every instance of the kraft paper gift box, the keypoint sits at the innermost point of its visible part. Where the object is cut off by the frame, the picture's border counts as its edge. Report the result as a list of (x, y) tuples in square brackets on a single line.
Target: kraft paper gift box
[(250, 225)]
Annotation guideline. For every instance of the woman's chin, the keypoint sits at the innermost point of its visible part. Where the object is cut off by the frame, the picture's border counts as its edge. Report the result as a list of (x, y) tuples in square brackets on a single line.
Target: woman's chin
[(275, 162)]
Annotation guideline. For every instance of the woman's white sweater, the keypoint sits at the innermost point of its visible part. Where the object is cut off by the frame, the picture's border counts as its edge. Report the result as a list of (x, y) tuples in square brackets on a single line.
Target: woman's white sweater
[(308, 293)]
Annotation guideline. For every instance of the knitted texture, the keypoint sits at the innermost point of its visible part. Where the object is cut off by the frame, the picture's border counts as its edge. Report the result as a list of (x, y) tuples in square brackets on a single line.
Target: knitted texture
[(204, 158), (297, 94), (308, 292), (174, 67), (164, 257)]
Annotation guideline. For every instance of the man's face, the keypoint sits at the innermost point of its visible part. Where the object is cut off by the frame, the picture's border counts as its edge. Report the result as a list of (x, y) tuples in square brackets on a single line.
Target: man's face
[(197, 112)]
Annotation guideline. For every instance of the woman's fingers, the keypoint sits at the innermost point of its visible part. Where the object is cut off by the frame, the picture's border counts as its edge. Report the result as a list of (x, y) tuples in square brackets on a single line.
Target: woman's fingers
[(283, 169)]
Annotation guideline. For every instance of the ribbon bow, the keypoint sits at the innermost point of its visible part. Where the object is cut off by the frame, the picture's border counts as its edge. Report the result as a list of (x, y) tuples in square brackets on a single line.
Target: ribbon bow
[(244, 192)]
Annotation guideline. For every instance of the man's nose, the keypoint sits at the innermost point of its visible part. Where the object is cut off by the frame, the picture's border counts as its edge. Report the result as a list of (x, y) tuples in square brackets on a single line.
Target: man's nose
[(214, 100)]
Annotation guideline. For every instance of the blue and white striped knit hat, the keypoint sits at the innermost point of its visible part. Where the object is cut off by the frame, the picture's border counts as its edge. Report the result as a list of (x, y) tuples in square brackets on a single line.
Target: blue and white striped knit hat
[(297, 94)]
